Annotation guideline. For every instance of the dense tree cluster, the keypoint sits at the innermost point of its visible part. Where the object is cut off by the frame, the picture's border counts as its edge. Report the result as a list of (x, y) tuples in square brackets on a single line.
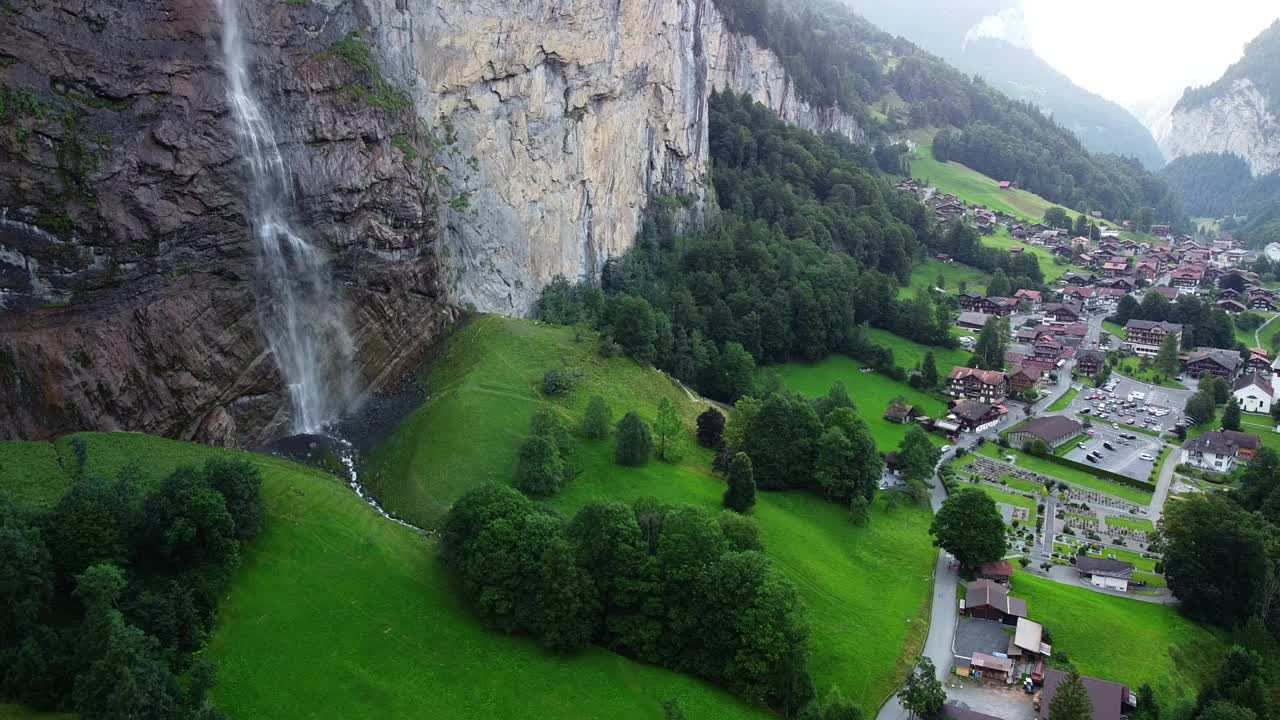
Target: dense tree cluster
[(821, 445), (669, 585), (109, 595), (544, 462), (811, 243), (1203, 325), (1211, 184), (962, 242)]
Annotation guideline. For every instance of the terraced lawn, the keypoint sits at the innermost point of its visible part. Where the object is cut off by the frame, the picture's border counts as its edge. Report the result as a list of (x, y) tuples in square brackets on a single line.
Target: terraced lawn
[(1123, 640), (1069, 474)]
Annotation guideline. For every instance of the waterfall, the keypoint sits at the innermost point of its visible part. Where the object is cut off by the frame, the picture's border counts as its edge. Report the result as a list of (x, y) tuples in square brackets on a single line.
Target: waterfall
[(299, 309)]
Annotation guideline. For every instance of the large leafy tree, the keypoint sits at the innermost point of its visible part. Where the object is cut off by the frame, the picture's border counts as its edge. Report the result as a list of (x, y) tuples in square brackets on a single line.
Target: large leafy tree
[(917, 458), (635, 443), (922, 695), (710, 428), (848, 464), (666, 428), (1214, 558), (539, 469), (970, 528), (596, 422), (782, 442)]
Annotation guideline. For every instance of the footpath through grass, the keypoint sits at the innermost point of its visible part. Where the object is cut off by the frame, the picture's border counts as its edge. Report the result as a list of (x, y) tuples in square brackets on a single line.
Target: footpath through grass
[(1123, 640), (337, 612), (866, 590), (871, 391)]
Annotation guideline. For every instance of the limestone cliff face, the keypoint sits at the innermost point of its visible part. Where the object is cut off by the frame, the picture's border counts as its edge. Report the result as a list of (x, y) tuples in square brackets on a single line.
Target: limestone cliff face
[(1239, 121), (127, 269), (126, 265), (569, 115)]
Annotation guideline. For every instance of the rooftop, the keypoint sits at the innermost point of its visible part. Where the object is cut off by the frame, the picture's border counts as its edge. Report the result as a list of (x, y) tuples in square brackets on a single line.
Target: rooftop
[(1226, 442), (1106, 567), (1052, 428), (988, 377)]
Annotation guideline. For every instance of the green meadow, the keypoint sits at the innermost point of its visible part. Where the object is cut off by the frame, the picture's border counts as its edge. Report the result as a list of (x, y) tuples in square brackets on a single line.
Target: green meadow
[(924, 277), (866, 589), (337, 612), (1121, 639)]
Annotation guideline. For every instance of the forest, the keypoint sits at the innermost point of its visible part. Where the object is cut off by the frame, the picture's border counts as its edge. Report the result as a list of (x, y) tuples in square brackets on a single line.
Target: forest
[(837, 58), (107, 598), (811, 244)]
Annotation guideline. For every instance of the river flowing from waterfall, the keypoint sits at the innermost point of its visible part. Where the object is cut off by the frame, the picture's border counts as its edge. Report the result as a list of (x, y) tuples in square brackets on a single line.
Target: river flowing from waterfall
[(299, 309)]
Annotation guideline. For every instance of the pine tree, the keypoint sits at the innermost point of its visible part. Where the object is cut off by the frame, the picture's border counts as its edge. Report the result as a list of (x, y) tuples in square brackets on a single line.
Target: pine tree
[(988, 351), (667, 428), (1231, 417), (929, 371), (1167, 359), (1072, 700), (740, 496)]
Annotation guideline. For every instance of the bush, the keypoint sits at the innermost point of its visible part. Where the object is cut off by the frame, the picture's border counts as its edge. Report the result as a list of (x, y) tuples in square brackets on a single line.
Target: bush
[(635, 443), (559, 381), (539, 469)]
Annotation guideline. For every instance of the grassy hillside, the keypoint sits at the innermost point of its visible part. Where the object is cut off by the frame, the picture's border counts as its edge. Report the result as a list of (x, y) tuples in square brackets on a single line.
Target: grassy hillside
[(349, 615), (924, 275), (872, 392), (975, 188), (866, 589), (1123, 640), (910, 354)]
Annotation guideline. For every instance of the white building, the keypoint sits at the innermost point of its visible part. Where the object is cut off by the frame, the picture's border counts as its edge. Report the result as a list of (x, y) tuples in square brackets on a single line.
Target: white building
[(1254, 393), (1220, 451), (1105, 572)]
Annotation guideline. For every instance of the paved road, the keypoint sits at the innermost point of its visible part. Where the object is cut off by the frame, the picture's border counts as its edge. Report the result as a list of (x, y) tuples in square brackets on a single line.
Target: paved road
[(1162, 484)]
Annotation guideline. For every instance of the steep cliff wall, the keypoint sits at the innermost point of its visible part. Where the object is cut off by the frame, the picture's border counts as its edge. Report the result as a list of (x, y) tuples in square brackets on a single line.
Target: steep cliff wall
[(568, 115), (126, 267), (1238, 121)]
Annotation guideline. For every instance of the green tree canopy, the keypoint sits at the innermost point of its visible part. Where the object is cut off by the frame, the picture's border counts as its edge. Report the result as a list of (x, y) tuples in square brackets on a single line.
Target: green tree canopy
[(598, 419), (740, 495), (635, 444), (969, 527), (1071, 702)]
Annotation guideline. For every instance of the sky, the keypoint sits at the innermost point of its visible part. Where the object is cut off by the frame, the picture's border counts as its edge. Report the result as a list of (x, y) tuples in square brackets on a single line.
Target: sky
[(1132, 51)]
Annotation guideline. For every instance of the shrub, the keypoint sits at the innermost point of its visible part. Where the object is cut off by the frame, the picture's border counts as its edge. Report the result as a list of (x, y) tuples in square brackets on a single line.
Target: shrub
[(558, 381)]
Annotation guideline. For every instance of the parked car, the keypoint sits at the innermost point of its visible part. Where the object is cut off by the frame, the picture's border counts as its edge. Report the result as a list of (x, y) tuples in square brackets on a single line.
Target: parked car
[(1092, 459), (1148, 457), (1082, 446), (1108, 446)]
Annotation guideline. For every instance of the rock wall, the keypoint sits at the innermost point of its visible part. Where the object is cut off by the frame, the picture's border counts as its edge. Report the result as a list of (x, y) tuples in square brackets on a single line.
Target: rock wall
[(126, 266), (568, 116), (1238, 122)]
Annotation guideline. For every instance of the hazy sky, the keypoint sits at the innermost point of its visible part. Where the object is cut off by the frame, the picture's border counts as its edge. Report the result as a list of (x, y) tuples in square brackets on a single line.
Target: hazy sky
[(1133, 50)]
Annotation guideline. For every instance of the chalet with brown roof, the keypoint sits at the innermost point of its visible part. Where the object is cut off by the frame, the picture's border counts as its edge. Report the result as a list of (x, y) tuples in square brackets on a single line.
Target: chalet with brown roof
[(1053, 430), (1063, 313), (972, 320), (1145, 336), (1089, 362), (1214, 361), (1186, 279), (975, 416), (1025, 378), (1110, 701), (988, 600), (988, 386), (1169, 293), (900, 413), (1220, 451), (1233, 307)]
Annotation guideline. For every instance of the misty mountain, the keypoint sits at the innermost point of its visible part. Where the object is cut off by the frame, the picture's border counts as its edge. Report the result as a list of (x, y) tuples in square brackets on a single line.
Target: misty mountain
[(984, 37)]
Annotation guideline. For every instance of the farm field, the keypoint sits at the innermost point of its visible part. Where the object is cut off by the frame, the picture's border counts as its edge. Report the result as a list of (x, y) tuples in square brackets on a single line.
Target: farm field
[(351, 615), (924, 276), (1123, 640), (1069, 474), (485, 387), (908, 354), (871, 391)]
